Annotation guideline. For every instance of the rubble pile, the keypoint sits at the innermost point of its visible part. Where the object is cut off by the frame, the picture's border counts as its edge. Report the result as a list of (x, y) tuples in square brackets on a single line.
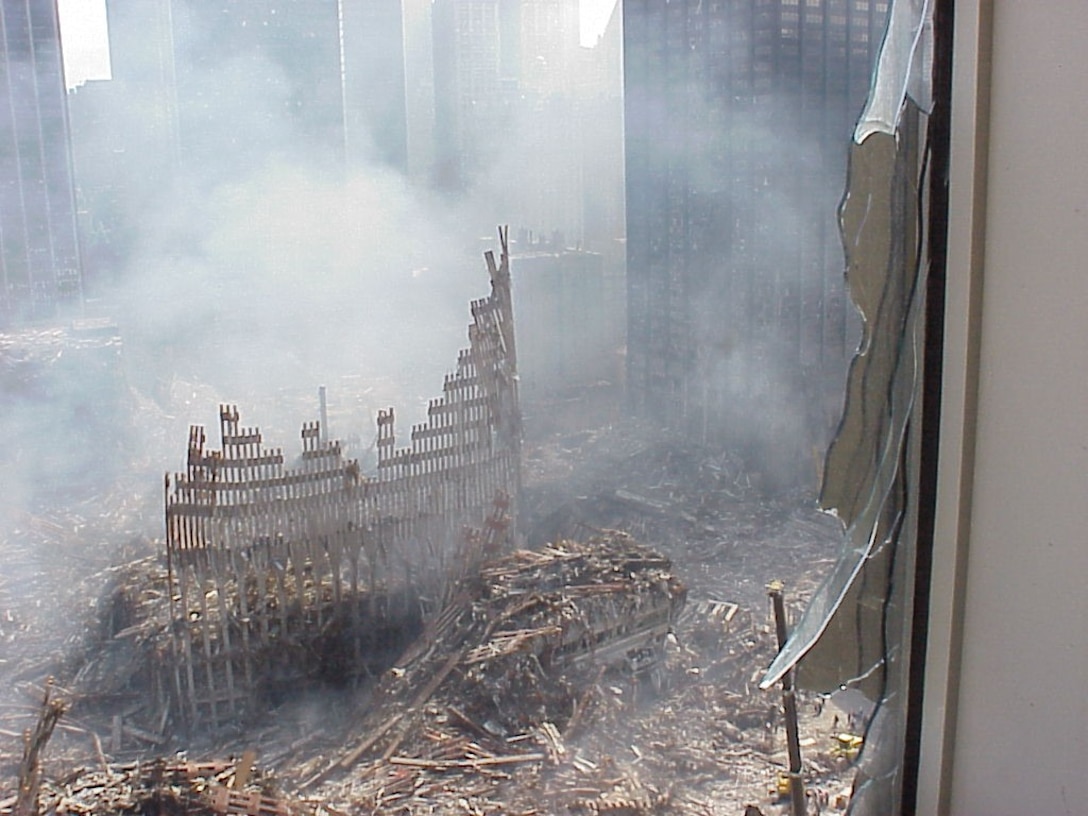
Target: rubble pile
[(129, 651), (179, 788), (497, 677), (492, 683), (126, 641), (487, 714), (707, 742), (502, 704)]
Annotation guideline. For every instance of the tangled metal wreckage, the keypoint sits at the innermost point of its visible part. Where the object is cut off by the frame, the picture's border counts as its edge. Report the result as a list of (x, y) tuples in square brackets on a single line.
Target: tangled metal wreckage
[(492, 683), (282, 577), (452, 672), (462, 670), (272, 564)]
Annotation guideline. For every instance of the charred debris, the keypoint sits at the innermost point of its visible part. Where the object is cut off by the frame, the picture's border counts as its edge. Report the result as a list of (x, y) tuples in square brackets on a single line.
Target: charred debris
[(481, 626)]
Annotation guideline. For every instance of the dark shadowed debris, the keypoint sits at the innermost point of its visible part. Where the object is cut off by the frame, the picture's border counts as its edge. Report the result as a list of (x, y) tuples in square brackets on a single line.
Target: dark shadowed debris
[(502, 671), (170, 788), (495, 681)]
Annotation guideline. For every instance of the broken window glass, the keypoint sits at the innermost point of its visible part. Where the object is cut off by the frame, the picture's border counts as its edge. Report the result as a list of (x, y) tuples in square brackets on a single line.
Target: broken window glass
[(854, 636), (359, 622)]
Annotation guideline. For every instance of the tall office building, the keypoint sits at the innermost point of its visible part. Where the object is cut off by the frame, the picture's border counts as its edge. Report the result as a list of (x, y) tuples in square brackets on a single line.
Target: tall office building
[(474, 80), (124, 139), (230, 87), (554, 114), (528, 119), (39, 250), (143, 84), (738, 118), (548, 45), (375, 108), (604, 226), (258, 81), (211, 92), (419, 81), (497, 63)]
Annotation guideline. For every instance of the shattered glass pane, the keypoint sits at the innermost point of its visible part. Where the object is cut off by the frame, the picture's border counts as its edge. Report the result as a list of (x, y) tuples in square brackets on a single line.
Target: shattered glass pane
[(903, 69), (854, 633), (469, 618), (863, 463)]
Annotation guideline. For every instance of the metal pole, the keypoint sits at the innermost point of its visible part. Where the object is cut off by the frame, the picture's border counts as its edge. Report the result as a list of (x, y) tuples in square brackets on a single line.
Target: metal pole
[(323, 407), (789, 706)]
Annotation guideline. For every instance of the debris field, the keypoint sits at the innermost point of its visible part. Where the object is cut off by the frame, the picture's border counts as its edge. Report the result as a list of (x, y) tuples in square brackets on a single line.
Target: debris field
[(314, 640)]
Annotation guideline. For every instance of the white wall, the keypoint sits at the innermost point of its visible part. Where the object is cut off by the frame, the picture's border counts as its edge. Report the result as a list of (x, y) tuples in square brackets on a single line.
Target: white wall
[(1010, 607)]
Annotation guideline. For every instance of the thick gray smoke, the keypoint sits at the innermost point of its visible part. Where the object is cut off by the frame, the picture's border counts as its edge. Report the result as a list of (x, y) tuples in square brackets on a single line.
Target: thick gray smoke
[(250, 263), (241, 258), (746, 261), (285, 282), (250, 271), (240, 250)]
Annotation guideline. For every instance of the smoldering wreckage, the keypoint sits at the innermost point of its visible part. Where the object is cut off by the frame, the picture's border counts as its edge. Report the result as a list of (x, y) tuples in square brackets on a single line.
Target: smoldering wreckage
[(311, 639)]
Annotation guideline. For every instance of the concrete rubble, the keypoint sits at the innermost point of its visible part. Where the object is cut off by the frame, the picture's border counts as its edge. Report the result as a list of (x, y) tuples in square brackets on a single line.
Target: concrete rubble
[(314, 640)]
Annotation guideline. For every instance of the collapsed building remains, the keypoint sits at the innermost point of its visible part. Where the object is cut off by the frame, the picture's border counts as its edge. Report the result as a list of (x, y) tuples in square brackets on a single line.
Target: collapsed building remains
[(513, 652), (263, 557), (505, 727)]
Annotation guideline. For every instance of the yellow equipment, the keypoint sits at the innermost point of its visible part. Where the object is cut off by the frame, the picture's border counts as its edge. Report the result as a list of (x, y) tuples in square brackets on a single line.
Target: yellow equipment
[(782, 785), (847, 745)]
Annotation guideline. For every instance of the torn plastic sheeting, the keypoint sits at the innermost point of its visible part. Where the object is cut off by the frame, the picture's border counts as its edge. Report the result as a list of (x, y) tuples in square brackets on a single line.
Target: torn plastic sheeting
[(854, 648), (904, 68)]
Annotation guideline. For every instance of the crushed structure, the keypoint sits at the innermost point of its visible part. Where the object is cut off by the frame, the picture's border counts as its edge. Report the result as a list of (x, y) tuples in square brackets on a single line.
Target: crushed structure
[(512, 652), (371, 645), (496, 679), (264, 556), (507, 728)]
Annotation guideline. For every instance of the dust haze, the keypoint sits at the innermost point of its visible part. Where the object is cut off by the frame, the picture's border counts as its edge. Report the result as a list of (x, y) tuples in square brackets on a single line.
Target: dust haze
[(237, 254)]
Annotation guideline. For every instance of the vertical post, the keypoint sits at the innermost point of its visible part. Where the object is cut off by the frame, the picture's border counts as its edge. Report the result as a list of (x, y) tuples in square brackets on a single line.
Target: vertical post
[(789, 706), (324, 414), (34, 741)]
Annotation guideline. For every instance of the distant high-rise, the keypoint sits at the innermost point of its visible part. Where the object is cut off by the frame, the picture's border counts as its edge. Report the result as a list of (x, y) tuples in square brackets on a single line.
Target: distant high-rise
[(562, 299), (237, 85), (548, 47), (143, 85), (551, 117), (602, 144), (212, 92), (419, 84), (526, 119), (472, 68), (124, 139), (257, 81), (39, 251), (738, 117), (374, 82)]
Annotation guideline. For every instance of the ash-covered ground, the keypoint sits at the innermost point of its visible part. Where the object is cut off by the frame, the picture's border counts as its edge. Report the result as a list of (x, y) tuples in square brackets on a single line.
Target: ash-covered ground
[(694, 736)]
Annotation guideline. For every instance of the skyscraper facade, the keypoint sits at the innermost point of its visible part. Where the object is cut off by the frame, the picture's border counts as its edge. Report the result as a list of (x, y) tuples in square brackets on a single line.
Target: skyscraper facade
[(258, 81), (419, 81), (375, 110), (229, 87), (604, 225), (472, 68), (548, 45), (39, 250), (527, 120), (738, 115), (206, 93), (556, 113)]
